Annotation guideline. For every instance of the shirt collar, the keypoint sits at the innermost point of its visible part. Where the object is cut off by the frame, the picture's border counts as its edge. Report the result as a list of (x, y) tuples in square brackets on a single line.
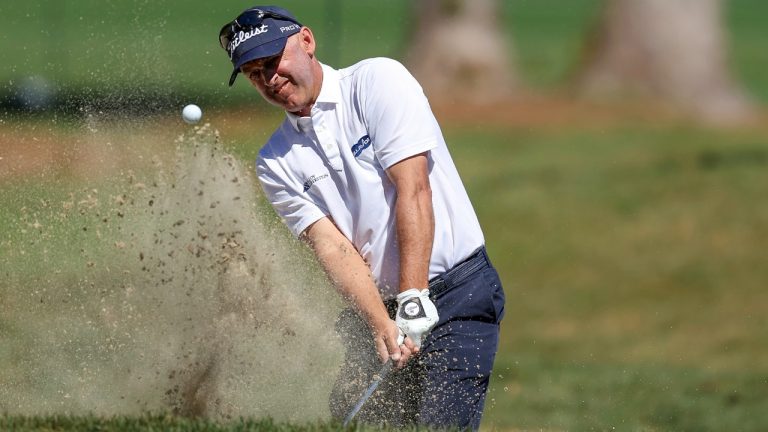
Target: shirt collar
[(330, 93)]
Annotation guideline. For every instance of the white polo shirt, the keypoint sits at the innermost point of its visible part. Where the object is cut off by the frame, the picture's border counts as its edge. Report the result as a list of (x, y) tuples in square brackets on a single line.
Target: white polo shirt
[(367, 118)]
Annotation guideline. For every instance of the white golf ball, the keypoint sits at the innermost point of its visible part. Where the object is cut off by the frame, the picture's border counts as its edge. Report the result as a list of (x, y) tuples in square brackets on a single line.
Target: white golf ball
[(191, 113)]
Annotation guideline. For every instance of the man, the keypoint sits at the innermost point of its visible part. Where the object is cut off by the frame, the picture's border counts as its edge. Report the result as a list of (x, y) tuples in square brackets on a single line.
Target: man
[(360, 172)]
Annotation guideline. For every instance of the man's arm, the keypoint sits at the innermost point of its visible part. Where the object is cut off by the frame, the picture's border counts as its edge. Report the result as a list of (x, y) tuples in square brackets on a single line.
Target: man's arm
[(414, 219), (352, 278)]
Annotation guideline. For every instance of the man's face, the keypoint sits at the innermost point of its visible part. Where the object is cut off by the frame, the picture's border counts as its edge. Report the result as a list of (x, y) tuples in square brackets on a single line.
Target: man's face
[(289, 79)]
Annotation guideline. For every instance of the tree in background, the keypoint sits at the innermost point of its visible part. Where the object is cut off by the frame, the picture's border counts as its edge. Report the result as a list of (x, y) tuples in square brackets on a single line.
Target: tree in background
[(459, 52), (673, 50)]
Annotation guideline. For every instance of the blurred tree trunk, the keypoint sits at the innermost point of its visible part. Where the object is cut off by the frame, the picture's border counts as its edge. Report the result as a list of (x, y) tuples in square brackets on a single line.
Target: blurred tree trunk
[(673, 50), (459, 52)]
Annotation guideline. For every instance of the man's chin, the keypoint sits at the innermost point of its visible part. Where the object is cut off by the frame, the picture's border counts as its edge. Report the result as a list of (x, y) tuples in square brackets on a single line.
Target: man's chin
[(284, 105), (289, 106), (297, 110)]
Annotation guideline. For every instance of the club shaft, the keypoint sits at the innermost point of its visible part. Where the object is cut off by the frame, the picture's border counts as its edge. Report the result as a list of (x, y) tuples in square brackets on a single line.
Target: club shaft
[(377, 379)]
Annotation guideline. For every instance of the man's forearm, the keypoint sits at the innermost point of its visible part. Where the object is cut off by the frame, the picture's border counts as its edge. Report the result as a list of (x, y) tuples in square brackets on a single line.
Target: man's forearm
[(415, 235), (347, 270), (414, 218)]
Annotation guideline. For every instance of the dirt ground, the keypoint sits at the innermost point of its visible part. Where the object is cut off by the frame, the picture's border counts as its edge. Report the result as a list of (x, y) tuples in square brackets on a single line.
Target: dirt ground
[(51, 148)]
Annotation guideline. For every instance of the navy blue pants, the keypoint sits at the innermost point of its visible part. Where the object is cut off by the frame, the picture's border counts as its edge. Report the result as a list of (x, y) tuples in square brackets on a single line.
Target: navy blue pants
[(445, 385)]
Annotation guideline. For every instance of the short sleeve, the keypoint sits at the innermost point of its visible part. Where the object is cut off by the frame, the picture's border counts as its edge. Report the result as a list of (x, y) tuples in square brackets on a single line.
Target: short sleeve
[(397, 113), (296, 211)]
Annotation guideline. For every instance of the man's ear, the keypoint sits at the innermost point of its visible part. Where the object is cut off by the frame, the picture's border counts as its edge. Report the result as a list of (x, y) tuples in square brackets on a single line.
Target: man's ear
[(307, 40)]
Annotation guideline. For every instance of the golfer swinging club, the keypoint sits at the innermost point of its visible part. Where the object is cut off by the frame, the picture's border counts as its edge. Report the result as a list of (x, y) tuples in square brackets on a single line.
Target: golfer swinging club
[(359, 170)]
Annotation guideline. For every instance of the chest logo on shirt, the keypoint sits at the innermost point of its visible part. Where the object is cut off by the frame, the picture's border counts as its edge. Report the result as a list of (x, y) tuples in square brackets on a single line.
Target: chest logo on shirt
[(362, 144), (313, 179)]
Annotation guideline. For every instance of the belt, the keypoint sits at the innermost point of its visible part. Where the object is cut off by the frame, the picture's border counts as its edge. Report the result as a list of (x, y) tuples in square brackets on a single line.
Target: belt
[(460, 272)]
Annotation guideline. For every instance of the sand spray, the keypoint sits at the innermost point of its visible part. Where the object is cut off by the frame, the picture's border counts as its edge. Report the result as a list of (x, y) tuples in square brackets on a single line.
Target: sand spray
[(168, 288)]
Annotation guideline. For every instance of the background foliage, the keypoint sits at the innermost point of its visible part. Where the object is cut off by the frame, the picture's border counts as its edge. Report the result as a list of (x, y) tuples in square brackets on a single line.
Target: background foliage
[(170, 47)]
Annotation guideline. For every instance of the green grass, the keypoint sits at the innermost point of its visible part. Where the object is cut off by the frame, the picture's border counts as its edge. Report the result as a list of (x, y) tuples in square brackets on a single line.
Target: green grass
[(542, 392), (632, 263), (747, 57), (547, 37), (167, 423), (168, 48)]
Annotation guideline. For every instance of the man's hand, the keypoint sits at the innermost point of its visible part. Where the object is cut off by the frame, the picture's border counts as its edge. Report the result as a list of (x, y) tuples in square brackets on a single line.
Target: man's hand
[(391, 343), (416, 314)]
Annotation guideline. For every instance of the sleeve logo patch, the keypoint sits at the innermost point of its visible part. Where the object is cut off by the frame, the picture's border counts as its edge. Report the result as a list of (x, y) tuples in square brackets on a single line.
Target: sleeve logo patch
[(362, 144)]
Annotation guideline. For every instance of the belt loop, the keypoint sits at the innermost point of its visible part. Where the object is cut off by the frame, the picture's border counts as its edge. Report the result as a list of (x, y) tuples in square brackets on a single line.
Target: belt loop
[(436, 286), (484, 253)]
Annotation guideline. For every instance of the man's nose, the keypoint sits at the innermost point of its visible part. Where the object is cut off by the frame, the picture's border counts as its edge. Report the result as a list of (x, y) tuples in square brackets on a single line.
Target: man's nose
[(271, 74)]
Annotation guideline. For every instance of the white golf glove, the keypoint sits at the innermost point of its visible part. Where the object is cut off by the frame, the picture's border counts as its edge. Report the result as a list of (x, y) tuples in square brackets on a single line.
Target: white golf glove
[(416, 314)]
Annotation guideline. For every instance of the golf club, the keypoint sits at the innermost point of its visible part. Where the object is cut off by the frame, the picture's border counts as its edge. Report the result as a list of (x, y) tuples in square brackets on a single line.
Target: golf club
[(377, 379)]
